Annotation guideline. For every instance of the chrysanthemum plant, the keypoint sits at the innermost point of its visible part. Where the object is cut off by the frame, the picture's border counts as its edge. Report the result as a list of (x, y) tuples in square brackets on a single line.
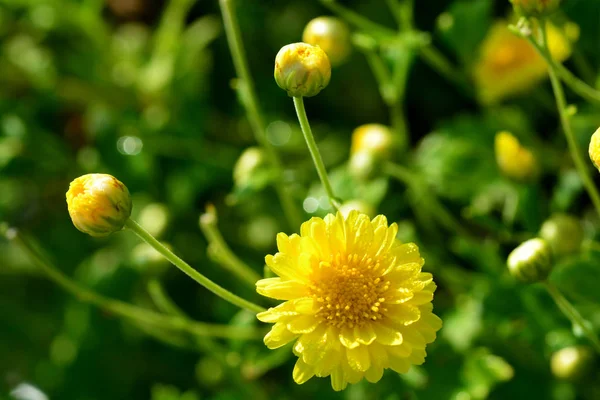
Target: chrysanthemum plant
[(354, 300)]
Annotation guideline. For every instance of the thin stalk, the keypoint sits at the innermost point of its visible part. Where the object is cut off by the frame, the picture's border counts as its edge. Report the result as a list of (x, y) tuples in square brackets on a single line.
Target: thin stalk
[(436, 208), (314, 151), (253, 111), (573, 82), (191, 272), (358, 20), (571, 312), (123, 309), (561, 104), (226, 257)]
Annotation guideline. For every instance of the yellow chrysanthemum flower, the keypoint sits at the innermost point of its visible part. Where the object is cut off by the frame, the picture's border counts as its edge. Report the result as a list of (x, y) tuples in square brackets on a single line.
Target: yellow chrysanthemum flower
[(356, 300), (509, 65)]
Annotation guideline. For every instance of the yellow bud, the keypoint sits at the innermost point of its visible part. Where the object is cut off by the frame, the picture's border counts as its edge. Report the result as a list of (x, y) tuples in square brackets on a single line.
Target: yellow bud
[(98, 204), (595, 149), (514, 160), (531, 261), (535, 7), (376, 139), (364, 165), (332, 35), (572, 363), (302, 70), (249, 166)]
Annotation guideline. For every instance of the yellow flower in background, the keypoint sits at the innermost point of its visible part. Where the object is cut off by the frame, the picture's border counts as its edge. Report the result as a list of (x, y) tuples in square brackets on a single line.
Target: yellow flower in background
[(509, 65), (514, 160), (99, 204), (373, 138), (594, 149), (332, 35), (356, 301)]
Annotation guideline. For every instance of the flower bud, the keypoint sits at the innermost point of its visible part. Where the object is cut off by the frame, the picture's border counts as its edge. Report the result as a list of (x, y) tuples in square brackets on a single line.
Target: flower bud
[(595, 149), (249, 167), (373, 138), (302, 70), (332, 35), (514, 160), (532, 8), (563, 233), (572, 363), (98, 204), (531, 261), (364, 165)]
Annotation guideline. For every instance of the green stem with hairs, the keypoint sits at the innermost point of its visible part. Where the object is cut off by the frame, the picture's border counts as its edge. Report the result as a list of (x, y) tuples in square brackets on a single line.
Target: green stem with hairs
[(253, 111), (314, 151), (571, 312), (561, 104), (121, 308), (191, 272)]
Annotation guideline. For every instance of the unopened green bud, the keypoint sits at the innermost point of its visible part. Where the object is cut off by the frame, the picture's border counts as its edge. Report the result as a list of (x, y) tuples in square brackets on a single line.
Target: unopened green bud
[(251, 162), (332, 35), (98, 204), (533, 8), (572, 363), (531, 261), (302, 70), (364, 165), (563, 233)]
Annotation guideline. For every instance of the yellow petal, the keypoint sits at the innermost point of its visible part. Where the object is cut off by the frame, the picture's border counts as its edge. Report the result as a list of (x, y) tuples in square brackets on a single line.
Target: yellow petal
[(424, 296), (280, 289), (303, 324), (374, 374), (399, 296), (359, 233), (387, 336), (337, 379), (274, 314), (417, 357), (287, 267), (413, 338), (358, 358), (347, 338), (364, 334), (312, 346), (288, 244), (403, 314), (379, 354), (306, 306), (351, 375), (279, 336), (400, 365), (389, 240), (336, 233), (302, 372)]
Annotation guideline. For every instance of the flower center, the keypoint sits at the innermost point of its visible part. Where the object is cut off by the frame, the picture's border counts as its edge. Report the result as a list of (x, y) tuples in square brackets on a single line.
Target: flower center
[(349, 289)]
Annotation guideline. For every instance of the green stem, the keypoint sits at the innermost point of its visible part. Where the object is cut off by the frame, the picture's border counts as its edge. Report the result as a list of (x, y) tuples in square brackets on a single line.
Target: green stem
[(189, 271), (561, 104), (571, 312), (440, 212), (314, 151), (253, 111), (577, 85), (226, 257), (402, 12), (437, 61), (358, 20), (123, 309)]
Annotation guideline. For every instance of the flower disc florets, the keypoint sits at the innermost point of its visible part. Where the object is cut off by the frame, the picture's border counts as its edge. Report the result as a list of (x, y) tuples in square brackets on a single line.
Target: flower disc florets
[(356, 300)]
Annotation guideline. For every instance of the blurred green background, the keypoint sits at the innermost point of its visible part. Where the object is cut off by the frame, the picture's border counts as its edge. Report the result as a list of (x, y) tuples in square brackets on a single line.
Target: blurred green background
[(145, 90)]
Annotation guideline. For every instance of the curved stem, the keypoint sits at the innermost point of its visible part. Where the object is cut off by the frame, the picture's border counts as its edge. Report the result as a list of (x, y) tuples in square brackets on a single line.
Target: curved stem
[(577, 85), (436, 207), (126, 310), (226, 257), (253, 111), (561, 104), (571, 312), (191, 272), (314, 151)]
